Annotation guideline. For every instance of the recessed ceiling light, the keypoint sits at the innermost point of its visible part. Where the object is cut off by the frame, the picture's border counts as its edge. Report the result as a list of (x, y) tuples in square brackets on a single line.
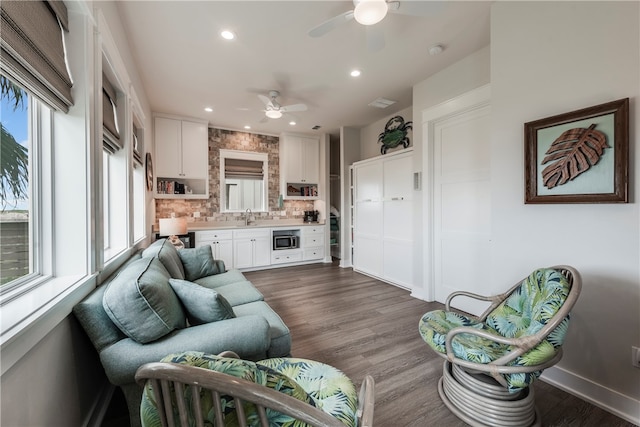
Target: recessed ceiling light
[(228, 35), (355, 73), (247, 127), (292, 123), (208, 109), (436, 49)]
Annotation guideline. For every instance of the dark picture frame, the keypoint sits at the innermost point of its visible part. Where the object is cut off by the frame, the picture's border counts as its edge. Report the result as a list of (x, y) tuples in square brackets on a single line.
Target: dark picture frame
[(579, 157)]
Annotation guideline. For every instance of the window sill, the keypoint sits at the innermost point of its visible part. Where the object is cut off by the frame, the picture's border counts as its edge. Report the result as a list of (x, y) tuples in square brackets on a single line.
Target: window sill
[(30, 317)]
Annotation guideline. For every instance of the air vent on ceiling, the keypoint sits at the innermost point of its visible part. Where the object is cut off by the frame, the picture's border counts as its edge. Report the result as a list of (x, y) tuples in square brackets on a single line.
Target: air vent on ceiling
[(381, 103), (316, 127)]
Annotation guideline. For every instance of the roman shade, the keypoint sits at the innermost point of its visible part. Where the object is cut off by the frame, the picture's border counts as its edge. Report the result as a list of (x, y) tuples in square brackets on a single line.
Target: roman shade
[(243, 169), (33, 51), (137, 146), (111, 133)]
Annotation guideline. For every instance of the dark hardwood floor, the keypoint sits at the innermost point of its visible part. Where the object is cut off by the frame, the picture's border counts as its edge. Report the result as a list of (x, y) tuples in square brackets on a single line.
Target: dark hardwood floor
[(364, 326)]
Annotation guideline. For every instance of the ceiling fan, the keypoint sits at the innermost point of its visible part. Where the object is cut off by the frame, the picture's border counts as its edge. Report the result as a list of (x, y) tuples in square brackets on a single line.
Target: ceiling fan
[(274, 110), (370, 12)]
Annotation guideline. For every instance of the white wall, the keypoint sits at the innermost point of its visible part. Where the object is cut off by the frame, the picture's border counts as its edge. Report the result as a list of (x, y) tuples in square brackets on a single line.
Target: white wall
[(549, 58), (467, 74), (369, 145)]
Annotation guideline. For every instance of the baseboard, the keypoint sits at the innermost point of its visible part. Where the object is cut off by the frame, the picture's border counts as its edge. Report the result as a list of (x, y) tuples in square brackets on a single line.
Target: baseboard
[(618, 404), (420, 294), (100, 406)]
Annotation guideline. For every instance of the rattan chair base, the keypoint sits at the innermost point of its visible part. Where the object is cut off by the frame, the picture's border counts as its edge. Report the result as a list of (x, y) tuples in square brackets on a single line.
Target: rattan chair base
[(482, 403)]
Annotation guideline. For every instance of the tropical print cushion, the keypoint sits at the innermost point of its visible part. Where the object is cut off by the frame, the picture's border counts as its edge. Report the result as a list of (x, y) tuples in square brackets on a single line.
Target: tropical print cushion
[(524, 312), (244, 369), (331, 389)]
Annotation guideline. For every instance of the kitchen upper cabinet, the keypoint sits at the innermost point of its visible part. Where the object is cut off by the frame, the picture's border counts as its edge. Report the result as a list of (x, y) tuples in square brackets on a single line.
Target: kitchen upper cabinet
[(182, 158), (299, 166)]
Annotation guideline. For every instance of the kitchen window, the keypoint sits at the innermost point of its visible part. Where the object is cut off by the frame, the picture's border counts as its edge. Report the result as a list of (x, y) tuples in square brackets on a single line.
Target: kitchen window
[(243, 181)]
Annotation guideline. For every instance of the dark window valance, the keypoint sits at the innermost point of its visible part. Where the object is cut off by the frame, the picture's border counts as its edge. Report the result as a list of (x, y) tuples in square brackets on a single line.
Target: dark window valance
[(243, 169), (110, 115), (33, 52), (137, 145)]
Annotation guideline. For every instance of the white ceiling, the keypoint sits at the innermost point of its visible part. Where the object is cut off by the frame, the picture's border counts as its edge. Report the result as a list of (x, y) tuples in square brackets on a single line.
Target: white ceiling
[(186, 66)]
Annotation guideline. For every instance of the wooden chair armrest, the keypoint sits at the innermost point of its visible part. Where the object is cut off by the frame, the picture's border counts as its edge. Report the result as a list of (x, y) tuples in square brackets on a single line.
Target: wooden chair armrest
[(494, 299), (366, 399)]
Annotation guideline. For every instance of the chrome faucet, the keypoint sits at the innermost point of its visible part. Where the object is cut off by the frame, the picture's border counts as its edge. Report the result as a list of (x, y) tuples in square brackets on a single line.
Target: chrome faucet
[(247, 217)]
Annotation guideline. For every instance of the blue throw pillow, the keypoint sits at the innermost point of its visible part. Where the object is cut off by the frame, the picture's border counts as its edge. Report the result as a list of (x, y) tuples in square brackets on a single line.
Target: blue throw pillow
[(141, 303), (203, 305), (198, 262)]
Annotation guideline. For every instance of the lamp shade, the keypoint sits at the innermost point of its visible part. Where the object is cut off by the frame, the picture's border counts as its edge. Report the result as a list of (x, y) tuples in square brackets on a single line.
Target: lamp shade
[(369, 12), (173, 226)]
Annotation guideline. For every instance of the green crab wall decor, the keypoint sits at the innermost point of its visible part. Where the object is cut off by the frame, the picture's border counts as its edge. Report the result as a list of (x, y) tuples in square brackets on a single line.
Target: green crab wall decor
[(395, 133)]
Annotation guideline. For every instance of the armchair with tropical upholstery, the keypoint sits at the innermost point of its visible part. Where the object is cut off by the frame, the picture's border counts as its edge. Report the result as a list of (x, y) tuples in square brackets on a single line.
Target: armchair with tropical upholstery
[(282, 392), (492, 360)]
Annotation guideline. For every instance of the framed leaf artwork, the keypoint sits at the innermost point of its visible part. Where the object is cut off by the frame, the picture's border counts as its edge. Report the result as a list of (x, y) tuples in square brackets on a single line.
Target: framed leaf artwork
[(579, 157)]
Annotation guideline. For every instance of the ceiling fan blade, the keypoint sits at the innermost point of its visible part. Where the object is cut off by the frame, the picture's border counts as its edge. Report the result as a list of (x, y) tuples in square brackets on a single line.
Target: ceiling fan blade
[(375, 38), (293, 107), (332, 23), (265, 100), (415, 8), (264, 119)]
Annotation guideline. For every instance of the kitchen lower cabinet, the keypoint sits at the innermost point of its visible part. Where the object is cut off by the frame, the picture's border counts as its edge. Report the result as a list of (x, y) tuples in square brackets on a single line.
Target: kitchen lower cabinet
[(221, 242), (251, 248), (312, 242)]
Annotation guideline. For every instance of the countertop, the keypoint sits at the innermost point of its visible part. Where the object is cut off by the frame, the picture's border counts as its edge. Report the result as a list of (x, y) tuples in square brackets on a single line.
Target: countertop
[(235, 225)]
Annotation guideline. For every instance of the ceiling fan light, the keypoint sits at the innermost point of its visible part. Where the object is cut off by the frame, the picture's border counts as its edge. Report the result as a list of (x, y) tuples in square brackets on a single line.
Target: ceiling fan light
[(369, 12), (273, 114)]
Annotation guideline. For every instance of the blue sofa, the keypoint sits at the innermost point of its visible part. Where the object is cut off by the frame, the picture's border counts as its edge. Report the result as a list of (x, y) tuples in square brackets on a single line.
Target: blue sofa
[(164, 301)]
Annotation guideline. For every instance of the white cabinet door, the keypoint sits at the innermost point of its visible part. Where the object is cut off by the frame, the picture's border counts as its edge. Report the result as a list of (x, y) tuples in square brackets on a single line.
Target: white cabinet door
[(252, 248), (292, 165), (168, 134), (310, 160), (398, 178), (195, 150), (301, 159), (224, 251), (243, 253), (262, 251), (368, 182), (398, 262)]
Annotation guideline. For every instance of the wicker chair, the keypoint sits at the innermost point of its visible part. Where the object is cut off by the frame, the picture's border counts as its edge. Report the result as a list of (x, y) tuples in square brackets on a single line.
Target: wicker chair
[(235, 392), (492, 360)]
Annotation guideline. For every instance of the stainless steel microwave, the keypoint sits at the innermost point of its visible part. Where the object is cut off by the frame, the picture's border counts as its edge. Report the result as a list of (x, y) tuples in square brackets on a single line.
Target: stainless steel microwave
[(285, 242)]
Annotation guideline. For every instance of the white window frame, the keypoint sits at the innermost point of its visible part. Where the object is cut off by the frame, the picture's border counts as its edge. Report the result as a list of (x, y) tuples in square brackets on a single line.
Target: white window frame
[(244, 155)]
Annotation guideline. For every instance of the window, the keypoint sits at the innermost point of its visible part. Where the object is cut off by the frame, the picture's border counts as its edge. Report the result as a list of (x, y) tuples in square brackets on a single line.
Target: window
[(139, 182), (243, 181), (114, 173), (16, 215)]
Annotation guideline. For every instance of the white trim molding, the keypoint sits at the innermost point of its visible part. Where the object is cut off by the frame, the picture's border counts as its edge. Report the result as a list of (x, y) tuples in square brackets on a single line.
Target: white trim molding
[(610, 400)]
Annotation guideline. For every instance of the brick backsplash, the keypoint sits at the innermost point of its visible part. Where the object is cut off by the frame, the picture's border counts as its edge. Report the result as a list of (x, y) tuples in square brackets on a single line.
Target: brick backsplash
[(210, 208)]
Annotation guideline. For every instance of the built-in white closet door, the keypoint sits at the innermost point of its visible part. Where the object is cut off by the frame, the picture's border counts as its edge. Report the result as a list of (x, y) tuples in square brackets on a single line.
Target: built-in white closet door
[(397, 234), (462, 206), (368, 218)]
